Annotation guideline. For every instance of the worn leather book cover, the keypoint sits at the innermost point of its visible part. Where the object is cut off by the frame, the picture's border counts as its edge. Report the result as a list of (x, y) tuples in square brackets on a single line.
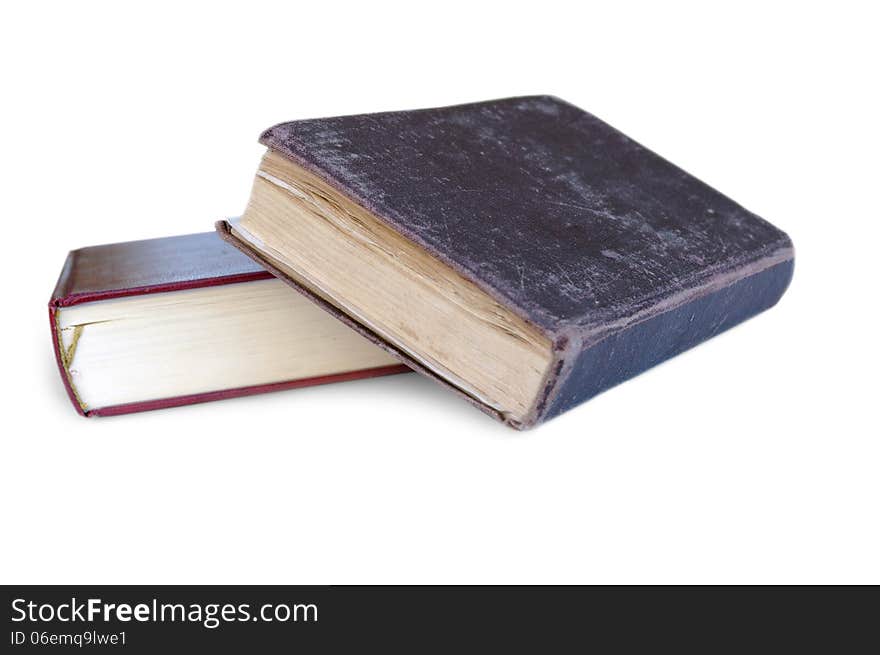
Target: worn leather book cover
[(160, 266), (619, 257)]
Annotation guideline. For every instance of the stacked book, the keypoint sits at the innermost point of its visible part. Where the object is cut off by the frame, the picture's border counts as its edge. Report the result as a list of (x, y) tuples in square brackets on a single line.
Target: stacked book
[(520, 252)]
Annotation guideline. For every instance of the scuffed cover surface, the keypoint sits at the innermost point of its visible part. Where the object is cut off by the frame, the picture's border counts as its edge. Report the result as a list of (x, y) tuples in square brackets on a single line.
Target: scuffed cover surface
[(560, 216)]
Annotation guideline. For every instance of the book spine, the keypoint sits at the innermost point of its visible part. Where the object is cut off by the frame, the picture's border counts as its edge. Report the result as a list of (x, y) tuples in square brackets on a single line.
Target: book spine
[(62, 289), (60, 360), (633, 350)]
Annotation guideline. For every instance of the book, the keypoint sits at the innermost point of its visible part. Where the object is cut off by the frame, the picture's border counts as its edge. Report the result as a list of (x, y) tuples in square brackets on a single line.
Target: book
[(173, 321), (520, 251)]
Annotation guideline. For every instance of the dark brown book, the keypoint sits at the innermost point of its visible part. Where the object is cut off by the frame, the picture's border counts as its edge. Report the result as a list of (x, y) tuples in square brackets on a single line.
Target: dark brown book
[(180, 320), (522, 252)]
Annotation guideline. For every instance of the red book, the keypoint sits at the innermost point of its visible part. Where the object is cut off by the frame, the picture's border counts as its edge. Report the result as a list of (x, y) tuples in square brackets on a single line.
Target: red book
[(179, 320)]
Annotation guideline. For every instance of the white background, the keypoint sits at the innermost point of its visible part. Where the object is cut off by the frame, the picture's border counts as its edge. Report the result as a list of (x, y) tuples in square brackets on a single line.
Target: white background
[(753, 458)]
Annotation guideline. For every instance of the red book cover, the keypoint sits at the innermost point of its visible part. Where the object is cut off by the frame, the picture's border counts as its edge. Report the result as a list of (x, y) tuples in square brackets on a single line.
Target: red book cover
[(119, 352)]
